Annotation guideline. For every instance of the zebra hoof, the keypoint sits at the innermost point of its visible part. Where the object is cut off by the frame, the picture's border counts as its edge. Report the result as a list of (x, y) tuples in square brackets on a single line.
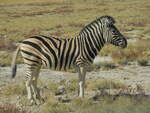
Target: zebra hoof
[(40, 101), (32, 102)]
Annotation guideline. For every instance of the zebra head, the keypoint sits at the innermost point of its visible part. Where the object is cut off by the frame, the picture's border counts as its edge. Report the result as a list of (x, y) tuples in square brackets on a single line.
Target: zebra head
[(111, 34)]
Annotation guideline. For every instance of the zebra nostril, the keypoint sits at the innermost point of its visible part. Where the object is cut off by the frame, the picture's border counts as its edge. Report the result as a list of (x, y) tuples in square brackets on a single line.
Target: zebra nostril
[(125, 42), (124, 45)]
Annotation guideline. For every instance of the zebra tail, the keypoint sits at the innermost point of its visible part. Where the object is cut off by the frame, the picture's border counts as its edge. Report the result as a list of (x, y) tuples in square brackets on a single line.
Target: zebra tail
[(13, 64)]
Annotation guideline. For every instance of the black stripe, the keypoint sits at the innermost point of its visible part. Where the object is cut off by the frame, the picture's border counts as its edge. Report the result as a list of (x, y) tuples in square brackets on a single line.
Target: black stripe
[(101, 33), (101, 44), (31, 64), (49, 48), (95, 39), (31, 54), (73, 52), (31, 60), (90, 39), (39, 49), (62, 56), (88, 48), (87, 55), (78, 50), (84, 49), (59, 49), (68, 51), (49, 38)]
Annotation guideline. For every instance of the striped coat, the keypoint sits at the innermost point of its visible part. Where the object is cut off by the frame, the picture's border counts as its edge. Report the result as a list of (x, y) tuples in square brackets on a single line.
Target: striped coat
[(62, 54)]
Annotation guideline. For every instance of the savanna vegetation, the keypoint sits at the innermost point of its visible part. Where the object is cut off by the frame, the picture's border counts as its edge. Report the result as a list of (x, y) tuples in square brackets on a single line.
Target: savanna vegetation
[(20, 19), (65, 18), (102, 96)]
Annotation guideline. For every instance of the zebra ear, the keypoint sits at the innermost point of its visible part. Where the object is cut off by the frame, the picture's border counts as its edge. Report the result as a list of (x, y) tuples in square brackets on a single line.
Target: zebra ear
[(108, 20)]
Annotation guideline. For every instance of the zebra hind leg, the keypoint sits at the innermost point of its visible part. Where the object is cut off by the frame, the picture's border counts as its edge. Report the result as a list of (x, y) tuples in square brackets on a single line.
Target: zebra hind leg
[(31, 84), (36, 91), (28, 85)]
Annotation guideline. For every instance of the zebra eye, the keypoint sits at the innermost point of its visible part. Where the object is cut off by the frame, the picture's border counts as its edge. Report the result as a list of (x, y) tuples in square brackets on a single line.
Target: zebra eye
[(113, 31)]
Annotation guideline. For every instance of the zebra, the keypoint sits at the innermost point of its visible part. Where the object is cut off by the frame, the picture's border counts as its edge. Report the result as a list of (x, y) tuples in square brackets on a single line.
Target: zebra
[(64, 53)]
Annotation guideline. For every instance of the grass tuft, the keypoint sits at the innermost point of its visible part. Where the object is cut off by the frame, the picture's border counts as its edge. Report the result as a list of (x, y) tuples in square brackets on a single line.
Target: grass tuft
[(104, 84), (14, 89), (143, 62), (53, 106), (81, 103)]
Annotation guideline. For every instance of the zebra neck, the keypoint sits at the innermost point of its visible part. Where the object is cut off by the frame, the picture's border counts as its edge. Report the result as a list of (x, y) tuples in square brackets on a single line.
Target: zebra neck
[(92, 43)]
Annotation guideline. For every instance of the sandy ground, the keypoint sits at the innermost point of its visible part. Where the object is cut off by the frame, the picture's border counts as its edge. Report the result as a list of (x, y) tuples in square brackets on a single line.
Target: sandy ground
[(129, 74)]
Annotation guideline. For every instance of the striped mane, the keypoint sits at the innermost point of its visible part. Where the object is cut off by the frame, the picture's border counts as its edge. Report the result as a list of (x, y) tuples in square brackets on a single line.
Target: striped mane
[(102, 19), (88, 25)]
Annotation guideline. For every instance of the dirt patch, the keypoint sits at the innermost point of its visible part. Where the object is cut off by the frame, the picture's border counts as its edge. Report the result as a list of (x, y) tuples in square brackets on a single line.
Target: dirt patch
[(130, 75)]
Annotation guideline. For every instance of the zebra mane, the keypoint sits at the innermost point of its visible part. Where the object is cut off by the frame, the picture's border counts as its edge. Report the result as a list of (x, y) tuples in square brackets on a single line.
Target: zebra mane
[(103, 19), (107, 19)]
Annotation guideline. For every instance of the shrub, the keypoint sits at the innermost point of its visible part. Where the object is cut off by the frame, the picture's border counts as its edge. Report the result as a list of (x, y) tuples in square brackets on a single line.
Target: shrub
[(105, 66), (142, 61)]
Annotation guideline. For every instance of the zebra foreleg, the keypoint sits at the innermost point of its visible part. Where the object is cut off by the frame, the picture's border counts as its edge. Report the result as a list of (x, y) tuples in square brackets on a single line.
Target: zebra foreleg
[(82, 73)]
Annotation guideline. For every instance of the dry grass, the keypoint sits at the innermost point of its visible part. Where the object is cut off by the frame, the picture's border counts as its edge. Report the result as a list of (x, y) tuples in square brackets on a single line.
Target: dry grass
[(10, 108), (20, 19), (53, 106), (82, 103), (120, 105), (7, 2), (104, 84), (52, 86), (6, 44), (143, 61), (62, 18), (115, 104), (103, 66), (139, 51), (13, 89), (6, 58)]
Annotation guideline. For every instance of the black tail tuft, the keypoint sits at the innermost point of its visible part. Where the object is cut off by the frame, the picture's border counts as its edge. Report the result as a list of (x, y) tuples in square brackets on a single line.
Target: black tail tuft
[(13, 64), (14, 69)]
